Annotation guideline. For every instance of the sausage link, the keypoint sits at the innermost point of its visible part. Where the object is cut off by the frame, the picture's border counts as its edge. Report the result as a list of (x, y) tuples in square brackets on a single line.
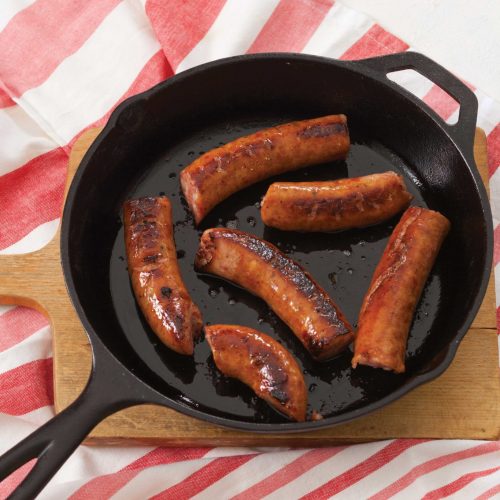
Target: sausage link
[(287, 288), (395, 289), (155, 275), (334, 205), (222, 171), (263, 364)]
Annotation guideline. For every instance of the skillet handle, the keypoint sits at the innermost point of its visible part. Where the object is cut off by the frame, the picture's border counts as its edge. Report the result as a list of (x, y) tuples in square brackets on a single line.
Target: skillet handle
[(107, 391), (464, 130)]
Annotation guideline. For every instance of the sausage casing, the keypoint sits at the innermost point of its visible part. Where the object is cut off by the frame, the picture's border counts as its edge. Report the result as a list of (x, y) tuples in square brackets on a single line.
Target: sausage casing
[(222, 171), (155, 275), (334, 205), (287, 288), (395, 289), (263, 364)]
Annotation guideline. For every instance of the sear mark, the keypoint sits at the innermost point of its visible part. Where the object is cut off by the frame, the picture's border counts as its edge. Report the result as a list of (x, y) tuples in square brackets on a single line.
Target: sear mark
[(281, 396), (323, 130), (151, 258)]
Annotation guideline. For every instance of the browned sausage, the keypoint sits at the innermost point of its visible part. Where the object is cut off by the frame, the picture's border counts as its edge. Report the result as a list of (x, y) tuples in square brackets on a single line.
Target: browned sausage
[(222, 171), (155, 276), (287, 288), (261, 363), (395, 289), (334, 205)]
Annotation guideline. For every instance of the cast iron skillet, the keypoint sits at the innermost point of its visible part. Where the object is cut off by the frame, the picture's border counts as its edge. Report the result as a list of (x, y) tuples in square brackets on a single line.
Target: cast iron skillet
[(146, 143)]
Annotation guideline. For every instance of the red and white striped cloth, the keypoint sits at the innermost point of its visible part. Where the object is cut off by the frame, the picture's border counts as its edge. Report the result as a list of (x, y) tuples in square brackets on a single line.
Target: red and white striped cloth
[(64, 66)]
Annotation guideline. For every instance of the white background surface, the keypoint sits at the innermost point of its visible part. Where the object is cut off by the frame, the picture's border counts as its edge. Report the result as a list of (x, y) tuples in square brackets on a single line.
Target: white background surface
[(462, 35)]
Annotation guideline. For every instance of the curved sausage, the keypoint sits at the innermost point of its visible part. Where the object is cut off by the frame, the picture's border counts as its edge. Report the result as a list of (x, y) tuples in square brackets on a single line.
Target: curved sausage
[(155, 276), (263, 364), (334, 205), (287, 288), (395, 289), (222, 171)]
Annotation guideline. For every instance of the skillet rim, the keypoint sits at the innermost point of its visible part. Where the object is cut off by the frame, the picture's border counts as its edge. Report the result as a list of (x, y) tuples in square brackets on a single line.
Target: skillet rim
[(286, 427)]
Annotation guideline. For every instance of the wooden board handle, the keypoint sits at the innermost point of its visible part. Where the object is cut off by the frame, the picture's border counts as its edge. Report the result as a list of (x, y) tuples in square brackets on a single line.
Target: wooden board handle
[(26, 279), (35, 279)]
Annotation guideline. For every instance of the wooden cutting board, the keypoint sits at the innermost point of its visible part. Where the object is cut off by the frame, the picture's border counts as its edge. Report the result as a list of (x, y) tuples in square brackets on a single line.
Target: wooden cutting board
[(463, 403)]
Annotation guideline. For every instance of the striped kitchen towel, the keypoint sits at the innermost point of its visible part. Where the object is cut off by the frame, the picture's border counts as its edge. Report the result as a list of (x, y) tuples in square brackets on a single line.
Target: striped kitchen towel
[(64, 66)]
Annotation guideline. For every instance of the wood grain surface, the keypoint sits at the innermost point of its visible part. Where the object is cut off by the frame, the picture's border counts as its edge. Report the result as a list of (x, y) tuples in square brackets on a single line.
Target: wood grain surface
[(462, 403)]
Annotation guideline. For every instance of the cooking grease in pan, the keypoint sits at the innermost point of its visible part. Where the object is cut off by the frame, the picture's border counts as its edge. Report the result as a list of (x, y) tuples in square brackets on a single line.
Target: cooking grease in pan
[(342, 263)]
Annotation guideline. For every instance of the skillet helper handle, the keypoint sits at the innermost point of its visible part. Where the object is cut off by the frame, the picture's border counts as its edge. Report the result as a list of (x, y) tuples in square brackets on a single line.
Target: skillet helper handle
[(53, 443), (464, 130)]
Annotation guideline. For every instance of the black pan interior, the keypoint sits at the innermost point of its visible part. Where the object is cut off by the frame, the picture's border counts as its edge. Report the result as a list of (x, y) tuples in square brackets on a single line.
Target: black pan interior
[(153, 137)]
